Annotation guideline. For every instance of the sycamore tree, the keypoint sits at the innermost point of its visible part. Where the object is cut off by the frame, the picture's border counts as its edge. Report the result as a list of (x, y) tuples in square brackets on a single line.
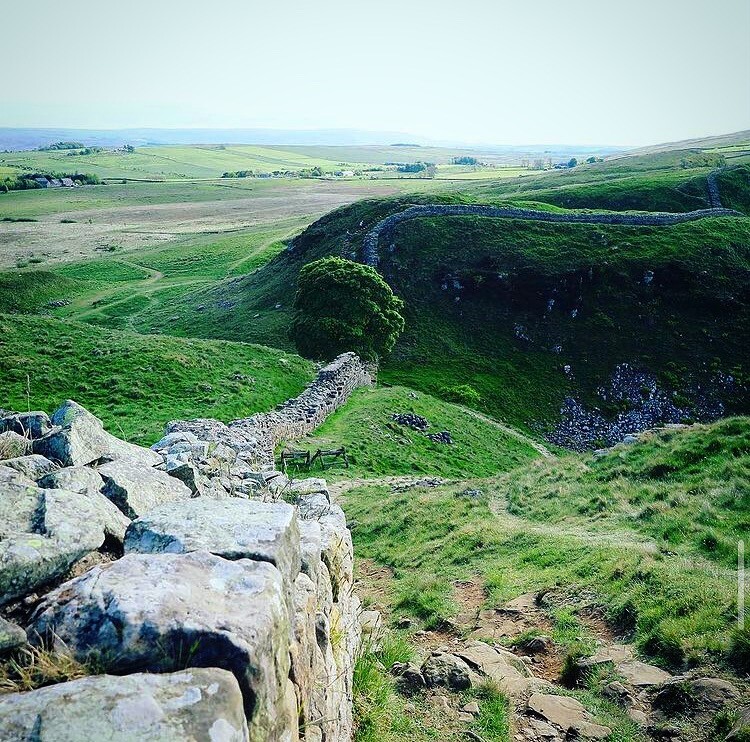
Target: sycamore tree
[(340, 306)]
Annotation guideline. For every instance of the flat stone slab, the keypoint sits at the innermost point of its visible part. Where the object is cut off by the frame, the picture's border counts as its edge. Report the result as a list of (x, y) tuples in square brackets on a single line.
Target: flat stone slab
[(136, 489), (612, 654), (43, 532), (196, 705), (232, 528), (500, 665), (568, 714), (32, 466), (640, 674), (160, 612)]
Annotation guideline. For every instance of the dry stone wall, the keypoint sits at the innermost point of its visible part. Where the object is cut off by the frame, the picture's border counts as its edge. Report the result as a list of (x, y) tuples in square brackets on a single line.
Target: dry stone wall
[(384, 228), (224, 609)]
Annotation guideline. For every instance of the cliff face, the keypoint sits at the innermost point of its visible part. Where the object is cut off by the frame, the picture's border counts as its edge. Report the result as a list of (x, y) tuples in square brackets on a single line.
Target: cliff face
[(220, 596)]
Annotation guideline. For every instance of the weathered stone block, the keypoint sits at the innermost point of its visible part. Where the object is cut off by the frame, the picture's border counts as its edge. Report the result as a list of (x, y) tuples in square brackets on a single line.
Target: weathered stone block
[(158, 612), (195, 705), (79, 438), (136, 489), (230, 528)]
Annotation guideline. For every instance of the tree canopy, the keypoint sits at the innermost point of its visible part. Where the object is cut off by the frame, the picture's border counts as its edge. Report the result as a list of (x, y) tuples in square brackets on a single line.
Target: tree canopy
[(342, 305)]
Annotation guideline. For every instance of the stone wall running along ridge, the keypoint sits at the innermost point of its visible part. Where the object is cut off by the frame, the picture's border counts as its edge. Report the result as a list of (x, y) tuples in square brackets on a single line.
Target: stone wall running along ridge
[(214, 594), (384, 228)]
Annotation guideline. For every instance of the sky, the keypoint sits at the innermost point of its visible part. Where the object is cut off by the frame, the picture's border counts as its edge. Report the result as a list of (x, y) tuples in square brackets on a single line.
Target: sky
[(476, 71)]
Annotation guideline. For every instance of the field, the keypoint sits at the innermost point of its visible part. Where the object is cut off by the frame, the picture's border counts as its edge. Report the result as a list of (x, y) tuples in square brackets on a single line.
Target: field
[(212, 161), (50, 226)]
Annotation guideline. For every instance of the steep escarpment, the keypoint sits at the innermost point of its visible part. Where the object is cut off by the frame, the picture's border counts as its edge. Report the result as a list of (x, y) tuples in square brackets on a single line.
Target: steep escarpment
[(582, 327), (194, 561)]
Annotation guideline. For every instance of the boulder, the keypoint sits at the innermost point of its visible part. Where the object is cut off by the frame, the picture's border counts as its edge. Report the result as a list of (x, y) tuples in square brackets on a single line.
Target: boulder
[(34, 466), (682, 695), (231, 528), (171, 438), (11, 636), (159, 612), (191, 706), (136, 489), (74, 479), (86, 482), (613, 654), (442, 668), (28, 424), (43, 532), (78, 438), (568, 714)]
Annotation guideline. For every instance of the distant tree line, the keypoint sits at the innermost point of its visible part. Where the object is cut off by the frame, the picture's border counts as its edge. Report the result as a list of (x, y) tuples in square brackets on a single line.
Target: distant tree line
[(465, 160), (27, 182), (61, 145)]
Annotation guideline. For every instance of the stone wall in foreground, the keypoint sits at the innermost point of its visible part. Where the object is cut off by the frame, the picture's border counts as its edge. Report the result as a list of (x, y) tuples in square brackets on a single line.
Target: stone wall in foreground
[(214, 595)]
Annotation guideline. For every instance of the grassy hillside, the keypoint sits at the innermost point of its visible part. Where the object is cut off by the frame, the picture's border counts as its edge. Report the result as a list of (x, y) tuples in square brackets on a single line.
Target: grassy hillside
[(670, 299), (379, 446), (543, 527), (137, 383)]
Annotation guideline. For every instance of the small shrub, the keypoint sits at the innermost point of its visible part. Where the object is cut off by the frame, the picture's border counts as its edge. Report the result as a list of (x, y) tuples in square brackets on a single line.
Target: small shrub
[(462, 394)]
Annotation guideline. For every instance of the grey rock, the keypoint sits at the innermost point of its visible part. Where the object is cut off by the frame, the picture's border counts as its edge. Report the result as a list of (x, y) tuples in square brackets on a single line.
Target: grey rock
[(34, 466), (43, 532), (136, 489), (11, 636), (171, 438), (441, 668), (230, 528), (157, 612), (500, 665), (28, 424), (568, 714), (73, 478), (195, 705), (87, 483), (79, 438), (409, 676)]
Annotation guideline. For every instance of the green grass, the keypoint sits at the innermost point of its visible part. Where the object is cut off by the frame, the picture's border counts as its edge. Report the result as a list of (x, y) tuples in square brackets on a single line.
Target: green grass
[(678, 599), (137, 383), (684, 489), (683, 326), (27, 292), (378, 446)]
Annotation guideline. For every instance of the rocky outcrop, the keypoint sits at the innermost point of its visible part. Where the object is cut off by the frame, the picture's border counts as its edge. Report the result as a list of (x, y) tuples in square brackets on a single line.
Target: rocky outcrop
[(238, 604), (384, 228)]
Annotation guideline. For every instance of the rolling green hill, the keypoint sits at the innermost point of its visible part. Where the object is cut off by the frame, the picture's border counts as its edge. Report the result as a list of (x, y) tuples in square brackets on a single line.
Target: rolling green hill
[(137, 383), (673, 300)]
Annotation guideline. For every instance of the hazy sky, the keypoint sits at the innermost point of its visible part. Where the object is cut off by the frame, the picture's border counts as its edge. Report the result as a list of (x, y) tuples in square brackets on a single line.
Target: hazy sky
[(484, 71)]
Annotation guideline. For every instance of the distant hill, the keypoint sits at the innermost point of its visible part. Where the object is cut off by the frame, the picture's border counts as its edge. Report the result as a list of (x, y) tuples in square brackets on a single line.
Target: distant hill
[(712, 142), (21, 139)]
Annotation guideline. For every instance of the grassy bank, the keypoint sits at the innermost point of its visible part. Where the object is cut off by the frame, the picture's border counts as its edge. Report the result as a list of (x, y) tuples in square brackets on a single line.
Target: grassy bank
[(137, 383), (378, 446)]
